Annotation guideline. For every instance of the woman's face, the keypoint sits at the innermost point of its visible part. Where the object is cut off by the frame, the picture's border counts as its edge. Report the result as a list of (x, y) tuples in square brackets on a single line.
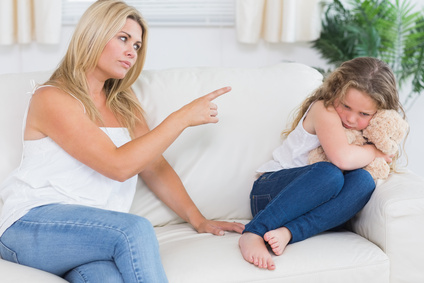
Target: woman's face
[(120, 53), (356, 109)]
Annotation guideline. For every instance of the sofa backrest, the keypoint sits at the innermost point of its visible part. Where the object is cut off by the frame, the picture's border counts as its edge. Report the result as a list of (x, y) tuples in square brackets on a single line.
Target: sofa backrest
[(15, 92), (216, 162)]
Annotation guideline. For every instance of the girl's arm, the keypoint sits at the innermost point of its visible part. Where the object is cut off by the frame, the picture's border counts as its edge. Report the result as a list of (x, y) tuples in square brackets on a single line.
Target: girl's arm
[(58, 115), (326, 124)]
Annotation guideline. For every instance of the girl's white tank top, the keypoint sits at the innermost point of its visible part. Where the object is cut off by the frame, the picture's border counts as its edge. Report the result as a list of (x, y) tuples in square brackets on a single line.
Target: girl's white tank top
[(294, 150), (48, 174)]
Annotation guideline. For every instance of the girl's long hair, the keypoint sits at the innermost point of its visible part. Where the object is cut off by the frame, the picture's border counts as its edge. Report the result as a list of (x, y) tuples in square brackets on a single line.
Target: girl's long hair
[(100, 23), (366, 74)]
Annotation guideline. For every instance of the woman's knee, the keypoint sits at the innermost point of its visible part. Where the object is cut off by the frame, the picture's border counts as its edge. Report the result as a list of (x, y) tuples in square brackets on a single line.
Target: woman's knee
[(138, 228)]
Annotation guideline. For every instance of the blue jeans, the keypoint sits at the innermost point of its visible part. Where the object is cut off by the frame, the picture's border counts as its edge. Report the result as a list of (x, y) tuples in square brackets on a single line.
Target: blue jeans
[(308, 200), (85, 244)]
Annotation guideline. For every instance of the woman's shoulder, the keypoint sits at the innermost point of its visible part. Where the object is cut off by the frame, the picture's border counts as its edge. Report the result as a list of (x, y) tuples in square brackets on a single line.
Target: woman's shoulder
[(49, 106), (47, 96), (47, 90)]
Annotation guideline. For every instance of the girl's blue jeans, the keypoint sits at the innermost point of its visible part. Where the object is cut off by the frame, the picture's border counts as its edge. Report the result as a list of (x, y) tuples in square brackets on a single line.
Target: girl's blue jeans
[(85, 244), (308, 200)]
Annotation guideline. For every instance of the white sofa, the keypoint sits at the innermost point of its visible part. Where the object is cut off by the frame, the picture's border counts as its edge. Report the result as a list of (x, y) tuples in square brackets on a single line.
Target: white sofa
[(217, 164)]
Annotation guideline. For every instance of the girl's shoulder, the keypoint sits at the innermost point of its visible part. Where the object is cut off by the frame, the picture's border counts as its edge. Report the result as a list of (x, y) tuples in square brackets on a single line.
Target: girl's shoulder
[(319, 108), (318, 115)]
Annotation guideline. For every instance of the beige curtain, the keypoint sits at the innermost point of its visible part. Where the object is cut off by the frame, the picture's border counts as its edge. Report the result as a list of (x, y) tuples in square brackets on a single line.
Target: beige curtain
[(278, 20), (23, 21)]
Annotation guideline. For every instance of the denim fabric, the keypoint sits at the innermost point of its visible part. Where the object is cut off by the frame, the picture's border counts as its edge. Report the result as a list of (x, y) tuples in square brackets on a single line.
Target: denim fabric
[(85, 244), (308, 200), (96, 271)]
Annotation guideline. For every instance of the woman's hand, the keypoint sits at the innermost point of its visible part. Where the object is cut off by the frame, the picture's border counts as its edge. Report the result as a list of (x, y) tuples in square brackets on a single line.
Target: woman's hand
[(201, 110), (218, 228)]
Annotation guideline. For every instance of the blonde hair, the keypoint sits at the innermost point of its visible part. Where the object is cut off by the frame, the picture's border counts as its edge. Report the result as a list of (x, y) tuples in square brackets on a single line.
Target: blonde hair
[(369, 75), (100, 23)]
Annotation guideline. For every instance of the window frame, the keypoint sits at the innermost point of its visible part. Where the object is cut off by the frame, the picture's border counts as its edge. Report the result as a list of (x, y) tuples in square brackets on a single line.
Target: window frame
[(170, 13)]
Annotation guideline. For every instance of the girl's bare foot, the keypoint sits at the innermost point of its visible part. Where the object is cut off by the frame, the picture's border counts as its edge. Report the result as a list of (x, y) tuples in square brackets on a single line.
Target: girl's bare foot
[(278, 239), (254, 250)]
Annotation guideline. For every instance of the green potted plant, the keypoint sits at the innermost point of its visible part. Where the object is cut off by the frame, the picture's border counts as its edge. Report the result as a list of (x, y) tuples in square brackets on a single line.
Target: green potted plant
[(392, 32)]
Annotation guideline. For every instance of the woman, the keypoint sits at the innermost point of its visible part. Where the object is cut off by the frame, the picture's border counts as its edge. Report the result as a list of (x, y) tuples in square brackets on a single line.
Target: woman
[(85, 141)]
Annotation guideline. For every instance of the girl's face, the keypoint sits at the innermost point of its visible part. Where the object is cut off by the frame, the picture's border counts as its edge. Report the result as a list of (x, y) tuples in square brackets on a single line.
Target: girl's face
[(120, 53), (356, 109)]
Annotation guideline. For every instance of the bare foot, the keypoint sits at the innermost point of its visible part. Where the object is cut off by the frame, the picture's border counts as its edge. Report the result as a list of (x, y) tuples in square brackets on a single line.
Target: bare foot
[(254, 250), (278, 239)]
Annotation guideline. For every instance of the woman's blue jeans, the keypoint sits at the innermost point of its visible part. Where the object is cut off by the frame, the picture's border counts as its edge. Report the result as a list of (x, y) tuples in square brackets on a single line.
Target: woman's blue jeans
[(308, 200), (85, 244)]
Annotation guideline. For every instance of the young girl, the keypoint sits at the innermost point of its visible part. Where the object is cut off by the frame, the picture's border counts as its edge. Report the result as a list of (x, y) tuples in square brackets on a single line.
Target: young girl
[(292, 200), (86, 142)]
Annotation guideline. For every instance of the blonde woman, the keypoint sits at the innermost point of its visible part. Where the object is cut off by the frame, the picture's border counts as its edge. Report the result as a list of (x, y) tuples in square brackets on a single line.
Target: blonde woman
[(85, 142), (291, 200)]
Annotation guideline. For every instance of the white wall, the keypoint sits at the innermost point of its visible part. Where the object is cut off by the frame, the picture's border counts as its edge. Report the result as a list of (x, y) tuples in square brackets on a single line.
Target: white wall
[(178, 47)]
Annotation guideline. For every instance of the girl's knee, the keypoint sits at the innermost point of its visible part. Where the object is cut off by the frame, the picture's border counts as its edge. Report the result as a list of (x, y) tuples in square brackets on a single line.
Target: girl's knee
[(329, 169), (330, 174), (363, 179), (360, 184)]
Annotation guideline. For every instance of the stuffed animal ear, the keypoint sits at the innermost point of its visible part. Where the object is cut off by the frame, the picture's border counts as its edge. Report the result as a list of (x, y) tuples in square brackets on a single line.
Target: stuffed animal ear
[(386, 130)]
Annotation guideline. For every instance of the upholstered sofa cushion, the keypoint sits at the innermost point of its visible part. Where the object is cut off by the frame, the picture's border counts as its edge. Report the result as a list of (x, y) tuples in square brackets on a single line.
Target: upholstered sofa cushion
[(329, 257)]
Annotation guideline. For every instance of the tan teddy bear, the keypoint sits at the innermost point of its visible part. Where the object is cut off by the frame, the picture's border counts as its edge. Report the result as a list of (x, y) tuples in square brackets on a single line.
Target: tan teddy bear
[(386, 130)]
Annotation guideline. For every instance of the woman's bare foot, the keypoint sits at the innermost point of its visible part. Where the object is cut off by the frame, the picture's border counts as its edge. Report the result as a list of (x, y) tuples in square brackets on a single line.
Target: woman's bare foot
[(278, 239), (254, 250)]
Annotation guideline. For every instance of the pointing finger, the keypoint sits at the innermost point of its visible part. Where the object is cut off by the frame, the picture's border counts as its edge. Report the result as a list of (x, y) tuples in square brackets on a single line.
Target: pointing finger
[(211, 96)]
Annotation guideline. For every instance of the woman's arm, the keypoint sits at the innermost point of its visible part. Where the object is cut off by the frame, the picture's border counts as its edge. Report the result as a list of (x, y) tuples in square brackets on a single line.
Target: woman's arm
[(167, 186), (164, 182), (326, 124), (58, 115)]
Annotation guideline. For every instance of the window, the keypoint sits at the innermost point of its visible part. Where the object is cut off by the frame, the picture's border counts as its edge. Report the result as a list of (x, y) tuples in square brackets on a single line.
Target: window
[(166, 12)]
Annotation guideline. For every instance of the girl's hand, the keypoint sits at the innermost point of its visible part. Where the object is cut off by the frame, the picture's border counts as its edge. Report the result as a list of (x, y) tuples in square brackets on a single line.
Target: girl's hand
[(379, 153), (202, 110), (218, 228)]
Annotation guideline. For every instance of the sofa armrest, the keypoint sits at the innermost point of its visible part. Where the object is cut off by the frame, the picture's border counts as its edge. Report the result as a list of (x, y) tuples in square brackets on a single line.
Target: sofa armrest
[(393, 219)]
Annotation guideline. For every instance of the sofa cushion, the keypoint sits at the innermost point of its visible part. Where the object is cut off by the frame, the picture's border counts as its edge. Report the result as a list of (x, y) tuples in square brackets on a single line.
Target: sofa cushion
[(329, 257), (217, 162), (13, 273)]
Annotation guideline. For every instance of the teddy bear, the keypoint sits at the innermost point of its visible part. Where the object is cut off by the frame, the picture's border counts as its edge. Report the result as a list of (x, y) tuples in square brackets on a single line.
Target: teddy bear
[(385, 130)]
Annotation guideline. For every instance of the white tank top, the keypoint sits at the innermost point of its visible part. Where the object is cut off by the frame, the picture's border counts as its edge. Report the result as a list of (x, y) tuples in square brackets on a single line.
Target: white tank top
[(294, 150), (48, 174)]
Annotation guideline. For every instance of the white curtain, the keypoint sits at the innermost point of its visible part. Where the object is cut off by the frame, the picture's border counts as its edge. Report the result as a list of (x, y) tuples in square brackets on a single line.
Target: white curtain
[(23, 21), (278, 20)]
